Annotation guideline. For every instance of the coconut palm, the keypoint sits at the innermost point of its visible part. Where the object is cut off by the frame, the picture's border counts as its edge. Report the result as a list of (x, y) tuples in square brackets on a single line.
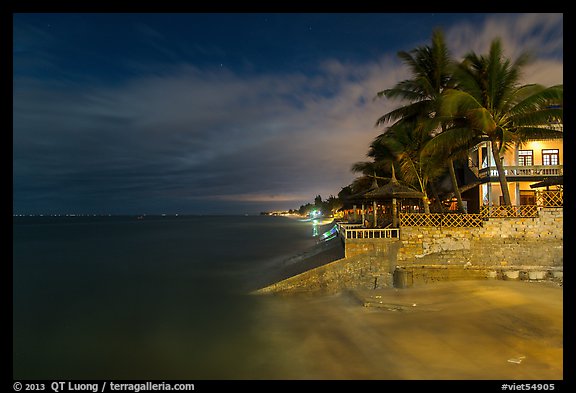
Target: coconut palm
[(379, 168), (406, 140), (397, 151), (489, 103), (430, 67)]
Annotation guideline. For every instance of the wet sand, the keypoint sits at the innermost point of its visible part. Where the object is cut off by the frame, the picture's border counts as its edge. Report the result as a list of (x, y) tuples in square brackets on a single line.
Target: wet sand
[(466, 330)]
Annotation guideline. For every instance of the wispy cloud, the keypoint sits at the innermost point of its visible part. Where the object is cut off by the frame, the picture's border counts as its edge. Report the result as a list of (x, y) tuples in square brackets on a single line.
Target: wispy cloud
[(213, 136), (539, 34)]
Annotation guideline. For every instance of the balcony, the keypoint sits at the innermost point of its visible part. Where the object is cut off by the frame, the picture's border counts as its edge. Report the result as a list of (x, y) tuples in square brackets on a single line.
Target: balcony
[(531, 171)]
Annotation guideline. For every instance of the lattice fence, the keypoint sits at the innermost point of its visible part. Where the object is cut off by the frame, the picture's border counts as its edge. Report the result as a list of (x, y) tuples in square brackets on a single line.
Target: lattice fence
[(440, 220), (543, 199), (550, 198), (509, 211)]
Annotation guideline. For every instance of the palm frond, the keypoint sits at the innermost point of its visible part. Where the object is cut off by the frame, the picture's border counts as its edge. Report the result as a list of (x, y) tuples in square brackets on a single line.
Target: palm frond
[(402, 92), (450, 141), (539, 99), (538, 133), (457, 103), (364, 167)]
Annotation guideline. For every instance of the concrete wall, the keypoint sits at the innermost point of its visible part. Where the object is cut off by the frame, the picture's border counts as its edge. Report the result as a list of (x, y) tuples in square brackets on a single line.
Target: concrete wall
[(425, 254)]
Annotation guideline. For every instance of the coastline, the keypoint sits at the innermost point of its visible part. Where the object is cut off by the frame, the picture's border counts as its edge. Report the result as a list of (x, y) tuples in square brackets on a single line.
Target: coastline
[(318, 254), (488, 329)]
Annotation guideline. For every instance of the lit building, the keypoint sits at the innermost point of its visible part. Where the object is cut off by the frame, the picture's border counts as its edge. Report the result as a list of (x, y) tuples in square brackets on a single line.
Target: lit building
[(525, 164)]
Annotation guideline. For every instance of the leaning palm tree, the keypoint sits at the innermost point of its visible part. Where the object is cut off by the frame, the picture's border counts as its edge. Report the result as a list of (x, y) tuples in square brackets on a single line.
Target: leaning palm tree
[(489, 103), (407, 140), (430, 67), (449, 147)]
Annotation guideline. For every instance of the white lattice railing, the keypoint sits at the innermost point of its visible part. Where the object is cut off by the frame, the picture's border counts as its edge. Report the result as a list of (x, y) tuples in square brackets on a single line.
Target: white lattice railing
[(524, 170), (356, 231)]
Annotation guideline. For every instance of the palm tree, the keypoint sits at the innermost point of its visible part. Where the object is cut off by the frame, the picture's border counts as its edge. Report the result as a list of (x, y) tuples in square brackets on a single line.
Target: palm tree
[(489, 103), (430, 66), (379, 167), (406, 140)]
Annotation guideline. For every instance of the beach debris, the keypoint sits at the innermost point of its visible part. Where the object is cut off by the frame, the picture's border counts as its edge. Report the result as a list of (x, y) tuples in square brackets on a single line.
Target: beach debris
[(517, 359), (413, 304)]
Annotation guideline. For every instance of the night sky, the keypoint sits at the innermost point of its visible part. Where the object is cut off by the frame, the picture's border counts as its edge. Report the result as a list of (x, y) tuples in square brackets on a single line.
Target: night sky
[(220, 113)]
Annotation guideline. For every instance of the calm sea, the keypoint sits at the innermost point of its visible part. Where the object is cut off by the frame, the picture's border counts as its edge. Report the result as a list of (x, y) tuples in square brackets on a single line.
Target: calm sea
[(128, 298)]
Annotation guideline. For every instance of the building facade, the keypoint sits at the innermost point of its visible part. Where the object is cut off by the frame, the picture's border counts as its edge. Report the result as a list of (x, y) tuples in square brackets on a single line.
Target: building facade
[(525, 164)]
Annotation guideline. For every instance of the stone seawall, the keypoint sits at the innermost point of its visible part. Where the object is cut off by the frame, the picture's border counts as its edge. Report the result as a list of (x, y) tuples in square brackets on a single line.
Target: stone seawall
[(368, 270), (503, 248), (500, 242)]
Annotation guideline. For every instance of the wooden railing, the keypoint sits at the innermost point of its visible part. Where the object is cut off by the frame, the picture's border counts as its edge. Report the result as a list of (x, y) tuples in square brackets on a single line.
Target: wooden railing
[(440, 220), (357, 231)]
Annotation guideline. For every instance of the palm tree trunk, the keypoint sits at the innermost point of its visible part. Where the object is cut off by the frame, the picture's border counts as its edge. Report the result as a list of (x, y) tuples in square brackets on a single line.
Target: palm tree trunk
[(426, 204), (455, 185), (437, 201), (501, 174)]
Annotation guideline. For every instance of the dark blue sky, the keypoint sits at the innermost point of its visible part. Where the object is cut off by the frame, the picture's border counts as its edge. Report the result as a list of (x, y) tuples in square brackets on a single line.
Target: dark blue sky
[(112, 46), (219, 113)]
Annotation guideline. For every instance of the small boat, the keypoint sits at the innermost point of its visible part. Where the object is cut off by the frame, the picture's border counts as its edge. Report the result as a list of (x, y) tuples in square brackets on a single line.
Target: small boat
[(329, 234)]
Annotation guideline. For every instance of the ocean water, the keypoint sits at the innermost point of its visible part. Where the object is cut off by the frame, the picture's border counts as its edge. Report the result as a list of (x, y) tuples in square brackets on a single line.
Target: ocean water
[(159, 297)]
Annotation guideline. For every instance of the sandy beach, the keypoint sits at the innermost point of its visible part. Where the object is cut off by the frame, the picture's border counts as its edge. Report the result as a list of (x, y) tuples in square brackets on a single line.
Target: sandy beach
[(466, 330)]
